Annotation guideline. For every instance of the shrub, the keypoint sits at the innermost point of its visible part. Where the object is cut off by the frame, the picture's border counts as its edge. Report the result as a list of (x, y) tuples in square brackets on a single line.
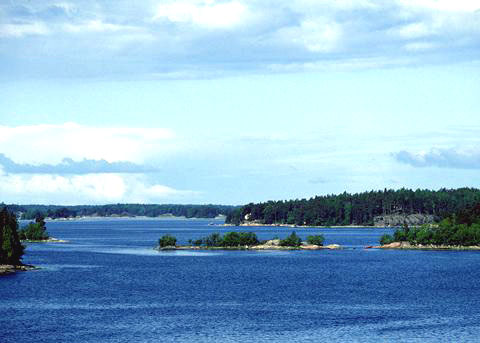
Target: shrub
[(400, 235), (34, 232), (167, 241), (213, 240), (316, 239), (291, 241), (232, 239), (386, 239)]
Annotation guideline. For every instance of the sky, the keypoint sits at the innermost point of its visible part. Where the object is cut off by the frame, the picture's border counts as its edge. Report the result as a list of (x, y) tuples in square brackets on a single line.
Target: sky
[(236, 101)]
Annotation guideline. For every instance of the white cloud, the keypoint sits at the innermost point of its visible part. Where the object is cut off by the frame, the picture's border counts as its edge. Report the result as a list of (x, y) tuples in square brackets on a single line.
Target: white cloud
[(415, 30), (51, 143), (443, 5), (419, 46), (24, 29), (83, 189), (97, 26), (203, 13), (315, 34)]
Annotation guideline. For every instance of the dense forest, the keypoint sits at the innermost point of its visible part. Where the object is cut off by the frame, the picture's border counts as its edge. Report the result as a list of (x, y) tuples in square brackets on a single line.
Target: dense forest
[(54, 212), (357, 209)]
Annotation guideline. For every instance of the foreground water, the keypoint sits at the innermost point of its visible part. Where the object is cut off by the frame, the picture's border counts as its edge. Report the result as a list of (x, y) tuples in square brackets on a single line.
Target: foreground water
[(108, 285)]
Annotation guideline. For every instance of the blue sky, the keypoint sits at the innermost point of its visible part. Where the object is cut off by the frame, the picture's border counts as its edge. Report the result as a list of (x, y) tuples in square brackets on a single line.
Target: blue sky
[(236, 101)]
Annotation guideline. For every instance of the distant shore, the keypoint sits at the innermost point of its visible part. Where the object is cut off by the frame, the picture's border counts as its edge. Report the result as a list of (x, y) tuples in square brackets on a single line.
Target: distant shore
[(409, 246), (313, 226), (113, 217)]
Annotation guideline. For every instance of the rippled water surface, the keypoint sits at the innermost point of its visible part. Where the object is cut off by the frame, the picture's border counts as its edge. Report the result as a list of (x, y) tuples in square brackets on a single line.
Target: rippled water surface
[(109, 285)]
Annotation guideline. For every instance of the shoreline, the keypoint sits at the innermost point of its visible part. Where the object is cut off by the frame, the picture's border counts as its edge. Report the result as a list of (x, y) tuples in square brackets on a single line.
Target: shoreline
[(6, 269), (313, 226), (409, 246), (86, 218), (49, 240), (264, 247)]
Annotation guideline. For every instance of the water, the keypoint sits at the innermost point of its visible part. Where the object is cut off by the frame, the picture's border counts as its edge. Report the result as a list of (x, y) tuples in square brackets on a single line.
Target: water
[(108, 285)]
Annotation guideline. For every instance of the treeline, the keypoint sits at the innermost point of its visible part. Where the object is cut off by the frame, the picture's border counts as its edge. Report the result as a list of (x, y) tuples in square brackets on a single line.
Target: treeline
[(150, 210), (460, 229), (357, 209)]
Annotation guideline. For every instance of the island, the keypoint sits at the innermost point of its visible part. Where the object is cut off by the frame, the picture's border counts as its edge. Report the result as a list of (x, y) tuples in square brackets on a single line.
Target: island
[(245, 241), (460, 231)]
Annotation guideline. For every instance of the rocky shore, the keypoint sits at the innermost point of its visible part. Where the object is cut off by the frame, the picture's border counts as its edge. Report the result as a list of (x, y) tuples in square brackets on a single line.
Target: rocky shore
[(409, 246), (273, 244), (8, 268)]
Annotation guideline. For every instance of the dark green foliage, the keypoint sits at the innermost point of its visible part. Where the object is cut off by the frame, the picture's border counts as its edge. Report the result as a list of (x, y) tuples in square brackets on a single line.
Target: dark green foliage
[(291, 241), (358, 209), (386, 239), (400, 236), (11, 250), (148, 210), (213, 240), (230, 239), (316, 239), (167, 241), (462, 229), (233, 239), (35, 231)]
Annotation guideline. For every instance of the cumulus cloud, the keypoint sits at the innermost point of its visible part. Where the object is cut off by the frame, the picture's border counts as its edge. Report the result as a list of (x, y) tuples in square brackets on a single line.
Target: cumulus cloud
[(206, 14), (90, 188), (442, 158), (36, 144), (69, 166)]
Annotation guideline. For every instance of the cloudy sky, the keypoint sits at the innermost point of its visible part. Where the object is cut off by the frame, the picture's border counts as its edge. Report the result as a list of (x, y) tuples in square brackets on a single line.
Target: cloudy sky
[(203, 101)]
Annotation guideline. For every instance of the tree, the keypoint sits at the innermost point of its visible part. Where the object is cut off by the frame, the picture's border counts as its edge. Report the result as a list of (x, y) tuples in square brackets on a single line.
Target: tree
[(11, 249), (35, 231), (167, 241), (316, 239), (291, 241)]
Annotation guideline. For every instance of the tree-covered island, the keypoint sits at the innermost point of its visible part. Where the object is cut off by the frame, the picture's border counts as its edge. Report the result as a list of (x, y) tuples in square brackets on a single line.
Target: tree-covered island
[(458, 231), (245, 241)]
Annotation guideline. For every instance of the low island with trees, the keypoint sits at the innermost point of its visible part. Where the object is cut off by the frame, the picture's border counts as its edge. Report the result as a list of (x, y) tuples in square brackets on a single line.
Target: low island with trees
[(460, 231), (244, 241)]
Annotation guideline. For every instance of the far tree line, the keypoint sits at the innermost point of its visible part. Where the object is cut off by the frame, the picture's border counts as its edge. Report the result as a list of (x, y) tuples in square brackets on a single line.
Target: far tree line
[(147, 210), (358, 208)]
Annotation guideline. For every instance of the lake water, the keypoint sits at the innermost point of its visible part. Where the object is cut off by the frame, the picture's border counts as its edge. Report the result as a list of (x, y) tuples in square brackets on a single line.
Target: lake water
[(109, 285)]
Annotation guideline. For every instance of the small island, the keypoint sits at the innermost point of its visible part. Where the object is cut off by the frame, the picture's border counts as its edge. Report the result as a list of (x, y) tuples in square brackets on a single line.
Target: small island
[(460, 231), (245, 241)]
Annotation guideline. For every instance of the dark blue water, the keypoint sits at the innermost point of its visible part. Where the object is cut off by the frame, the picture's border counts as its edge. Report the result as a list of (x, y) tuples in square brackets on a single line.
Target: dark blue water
[(108, 285)]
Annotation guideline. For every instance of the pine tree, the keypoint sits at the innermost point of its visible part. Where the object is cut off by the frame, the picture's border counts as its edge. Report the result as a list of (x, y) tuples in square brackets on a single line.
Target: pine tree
[(11, 249)]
